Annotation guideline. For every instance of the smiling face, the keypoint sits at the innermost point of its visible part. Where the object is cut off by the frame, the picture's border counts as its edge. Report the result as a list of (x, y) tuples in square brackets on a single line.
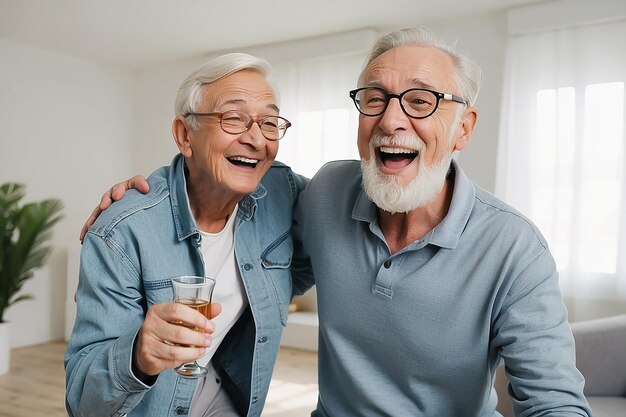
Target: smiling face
[(407, 157), (232, 164)]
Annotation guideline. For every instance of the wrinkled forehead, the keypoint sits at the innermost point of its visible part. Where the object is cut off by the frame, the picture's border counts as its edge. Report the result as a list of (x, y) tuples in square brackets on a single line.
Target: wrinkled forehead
[(245, 90), (411, 67)]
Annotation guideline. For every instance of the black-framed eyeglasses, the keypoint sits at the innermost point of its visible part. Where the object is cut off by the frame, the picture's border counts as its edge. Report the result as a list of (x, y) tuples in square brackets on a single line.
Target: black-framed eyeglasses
[(236, 122), (417, 103)]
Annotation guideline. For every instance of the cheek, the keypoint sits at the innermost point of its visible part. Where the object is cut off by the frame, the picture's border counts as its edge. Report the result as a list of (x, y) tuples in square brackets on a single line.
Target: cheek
[(272, 150), (364, 135), (212, 142), (435, 133), (427, 128)]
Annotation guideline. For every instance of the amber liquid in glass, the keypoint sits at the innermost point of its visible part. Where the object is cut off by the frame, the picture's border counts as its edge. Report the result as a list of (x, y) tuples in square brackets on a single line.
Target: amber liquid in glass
[(204, 307)]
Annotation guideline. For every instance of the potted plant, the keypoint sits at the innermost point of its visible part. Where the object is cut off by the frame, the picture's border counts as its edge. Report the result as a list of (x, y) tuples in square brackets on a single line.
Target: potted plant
[(24, 233)]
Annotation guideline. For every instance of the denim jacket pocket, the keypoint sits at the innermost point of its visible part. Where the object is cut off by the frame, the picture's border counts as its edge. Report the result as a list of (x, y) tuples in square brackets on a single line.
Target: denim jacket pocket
[(276, 260), (158, 291)]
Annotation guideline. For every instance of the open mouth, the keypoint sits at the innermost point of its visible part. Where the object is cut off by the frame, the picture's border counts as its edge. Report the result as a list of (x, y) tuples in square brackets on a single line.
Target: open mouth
[(396, 158), (243, 162)]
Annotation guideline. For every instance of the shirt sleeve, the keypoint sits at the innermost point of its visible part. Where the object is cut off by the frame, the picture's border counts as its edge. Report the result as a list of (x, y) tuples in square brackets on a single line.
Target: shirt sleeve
[(533, 337), (301, 269), (110, 311)]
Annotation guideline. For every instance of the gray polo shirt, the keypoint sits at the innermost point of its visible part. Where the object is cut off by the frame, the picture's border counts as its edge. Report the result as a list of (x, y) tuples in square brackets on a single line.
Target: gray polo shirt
[(421, 332)]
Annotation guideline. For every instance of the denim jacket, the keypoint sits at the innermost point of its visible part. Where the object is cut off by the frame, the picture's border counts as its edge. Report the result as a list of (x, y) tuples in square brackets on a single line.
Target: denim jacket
[(128, 258)]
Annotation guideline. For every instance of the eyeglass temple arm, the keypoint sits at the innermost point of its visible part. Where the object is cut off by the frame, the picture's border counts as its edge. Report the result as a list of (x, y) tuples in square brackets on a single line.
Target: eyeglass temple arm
[(452, 97)]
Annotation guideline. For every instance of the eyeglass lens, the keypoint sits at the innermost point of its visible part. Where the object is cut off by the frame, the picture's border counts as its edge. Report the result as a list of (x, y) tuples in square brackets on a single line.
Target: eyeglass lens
[(416, 103), (272, 127)]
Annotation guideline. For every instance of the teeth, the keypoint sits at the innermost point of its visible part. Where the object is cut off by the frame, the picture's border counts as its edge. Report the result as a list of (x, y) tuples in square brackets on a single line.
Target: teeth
[(385, 149), (246, 160)]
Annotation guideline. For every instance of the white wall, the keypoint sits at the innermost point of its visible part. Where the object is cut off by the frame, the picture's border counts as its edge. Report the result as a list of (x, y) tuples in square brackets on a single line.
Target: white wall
[(65, 133), (154, 94)]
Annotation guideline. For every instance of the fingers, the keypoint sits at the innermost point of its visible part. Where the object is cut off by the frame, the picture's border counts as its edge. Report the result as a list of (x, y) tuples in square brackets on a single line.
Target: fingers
[(115, 193), (216, 309), (153, 355), (107, 199), (138, 182), (172, 334), (92, 218), (105, 202)]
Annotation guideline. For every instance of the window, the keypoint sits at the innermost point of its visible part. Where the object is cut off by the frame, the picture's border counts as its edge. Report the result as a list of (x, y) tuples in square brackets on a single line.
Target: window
[(562, 157), (579, 175), (314, 97)]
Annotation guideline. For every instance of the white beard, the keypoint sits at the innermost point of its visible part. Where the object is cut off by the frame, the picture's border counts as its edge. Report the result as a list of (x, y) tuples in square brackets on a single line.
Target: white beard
[(385, 190)]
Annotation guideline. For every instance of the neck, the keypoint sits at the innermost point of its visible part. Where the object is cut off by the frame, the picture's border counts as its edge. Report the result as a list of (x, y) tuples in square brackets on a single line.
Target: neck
[(402, 229), (210, 206)]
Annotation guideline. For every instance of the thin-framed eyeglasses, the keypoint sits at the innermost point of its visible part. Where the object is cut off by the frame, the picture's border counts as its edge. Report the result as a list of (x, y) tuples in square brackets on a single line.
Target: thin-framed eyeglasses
[(236, 122), (417, 103)]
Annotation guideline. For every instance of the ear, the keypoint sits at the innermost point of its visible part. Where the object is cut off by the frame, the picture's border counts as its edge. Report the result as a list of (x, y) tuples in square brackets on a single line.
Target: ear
[(180, 132), (465, 128)]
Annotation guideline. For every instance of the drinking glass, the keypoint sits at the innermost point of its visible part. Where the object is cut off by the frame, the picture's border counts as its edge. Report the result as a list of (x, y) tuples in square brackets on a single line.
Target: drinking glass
[(194, 292)]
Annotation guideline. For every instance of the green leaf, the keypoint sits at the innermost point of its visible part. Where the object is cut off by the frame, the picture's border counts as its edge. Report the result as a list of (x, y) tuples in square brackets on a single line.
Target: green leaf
[(24, 235)]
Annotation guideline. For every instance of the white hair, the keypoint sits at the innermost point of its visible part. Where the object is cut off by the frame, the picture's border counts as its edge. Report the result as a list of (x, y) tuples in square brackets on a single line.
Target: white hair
[(468, 73), (190, 93)]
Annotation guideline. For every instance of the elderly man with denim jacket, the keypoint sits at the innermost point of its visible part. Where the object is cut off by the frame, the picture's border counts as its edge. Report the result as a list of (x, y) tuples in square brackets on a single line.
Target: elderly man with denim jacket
[(124, 344)]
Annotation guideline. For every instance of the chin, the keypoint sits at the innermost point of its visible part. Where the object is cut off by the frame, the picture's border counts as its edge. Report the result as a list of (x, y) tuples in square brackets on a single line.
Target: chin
[(392, 193)]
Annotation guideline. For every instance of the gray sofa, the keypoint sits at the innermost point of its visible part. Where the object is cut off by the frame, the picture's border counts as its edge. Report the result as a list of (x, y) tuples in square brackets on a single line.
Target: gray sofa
[(601, 358)]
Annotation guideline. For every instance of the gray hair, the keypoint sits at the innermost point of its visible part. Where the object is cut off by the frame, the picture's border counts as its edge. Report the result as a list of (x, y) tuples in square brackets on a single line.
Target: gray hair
[(190, 93), (468, 73)]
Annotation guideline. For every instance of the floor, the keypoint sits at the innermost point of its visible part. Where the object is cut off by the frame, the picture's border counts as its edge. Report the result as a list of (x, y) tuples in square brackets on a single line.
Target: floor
[(35, 385)]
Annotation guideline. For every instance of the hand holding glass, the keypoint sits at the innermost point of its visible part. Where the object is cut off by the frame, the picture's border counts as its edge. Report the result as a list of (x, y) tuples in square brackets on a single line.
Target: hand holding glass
[(194, 292)]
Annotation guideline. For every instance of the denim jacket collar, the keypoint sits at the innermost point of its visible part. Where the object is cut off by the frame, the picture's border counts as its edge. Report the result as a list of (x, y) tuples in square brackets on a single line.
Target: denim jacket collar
[(183, 218)]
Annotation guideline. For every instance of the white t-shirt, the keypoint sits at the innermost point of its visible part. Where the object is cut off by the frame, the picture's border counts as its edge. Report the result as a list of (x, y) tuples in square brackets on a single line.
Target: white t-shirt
[(218, 252)]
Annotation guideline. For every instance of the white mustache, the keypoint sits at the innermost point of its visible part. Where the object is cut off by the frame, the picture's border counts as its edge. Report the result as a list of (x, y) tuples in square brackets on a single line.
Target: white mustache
[(404, 141)]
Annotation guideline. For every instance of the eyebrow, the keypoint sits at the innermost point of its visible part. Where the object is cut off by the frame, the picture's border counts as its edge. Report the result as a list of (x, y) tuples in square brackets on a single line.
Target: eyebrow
[(421, 84), (414, 81), (239, 101)]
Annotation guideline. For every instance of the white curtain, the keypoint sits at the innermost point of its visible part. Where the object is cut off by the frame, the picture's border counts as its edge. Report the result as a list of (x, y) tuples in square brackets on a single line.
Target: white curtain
[(314, 97), (561, 151)]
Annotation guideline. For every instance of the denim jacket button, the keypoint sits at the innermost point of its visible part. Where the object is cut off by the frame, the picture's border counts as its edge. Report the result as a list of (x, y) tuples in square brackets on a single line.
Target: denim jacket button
[(248, 267), (180, 410), (263, 339)]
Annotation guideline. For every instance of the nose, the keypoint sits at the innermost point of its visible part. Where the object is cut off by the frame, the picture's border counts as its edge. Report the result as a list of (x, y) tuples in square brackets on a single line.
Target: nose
[(253, 136), (393, 119)]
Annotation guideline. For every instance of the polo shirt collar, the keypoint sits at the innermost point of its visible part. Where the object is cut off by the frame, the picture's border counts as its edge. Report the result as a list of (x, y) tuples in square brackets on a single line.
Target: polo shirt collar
[(448, 232)]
